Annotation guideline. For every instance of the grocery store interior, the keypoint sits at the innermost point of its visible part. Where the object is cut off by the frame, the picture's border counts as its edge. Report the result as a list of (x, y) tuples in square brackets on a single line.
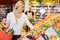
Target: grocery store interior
[(45, 16)]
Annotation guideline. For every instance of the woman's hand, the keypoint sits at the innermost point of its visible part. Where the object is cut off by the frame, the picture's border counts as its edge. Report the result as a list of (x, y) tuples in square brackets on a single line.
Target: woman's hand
[(41, 31), (35, 30)]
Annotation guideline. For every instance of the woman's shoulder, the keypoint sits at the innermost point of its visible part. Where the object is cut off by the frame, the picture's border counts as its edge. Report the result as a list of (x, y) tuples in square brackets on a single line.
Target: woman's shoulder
[(11, 13), (23, 14)]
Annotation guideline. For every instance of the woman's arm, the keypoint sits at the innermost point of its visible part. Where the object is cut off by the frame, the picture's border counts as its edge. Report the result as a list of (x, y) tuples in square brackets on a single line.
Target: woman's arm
[(28, 22)]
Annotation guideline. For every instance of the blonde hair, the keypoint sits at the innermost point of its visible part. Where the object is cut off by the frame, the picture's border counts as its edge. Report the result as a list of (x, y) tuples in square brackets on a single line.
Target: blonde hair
[(18, 4)]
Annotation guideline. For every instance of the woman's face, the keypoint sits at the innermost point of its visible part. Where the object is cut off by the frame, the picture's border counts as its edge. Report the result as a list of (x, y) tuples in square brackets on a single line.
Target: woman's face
[(20, 8)]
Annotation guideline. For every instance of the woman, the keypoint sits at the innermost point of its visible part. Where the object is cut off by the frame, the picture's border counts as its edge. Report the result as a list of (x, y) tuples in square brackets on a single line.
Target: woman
[(16, 20)]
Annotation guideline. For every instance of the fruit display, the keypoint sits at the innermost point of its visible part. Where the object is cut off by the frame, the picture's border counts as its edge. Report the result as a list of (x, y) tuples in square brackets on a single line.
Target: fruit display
[(23, 32), (56, 26), (44, 24), (2, 28), (43, 27), (37, 24), (53, 37), (49, 19)]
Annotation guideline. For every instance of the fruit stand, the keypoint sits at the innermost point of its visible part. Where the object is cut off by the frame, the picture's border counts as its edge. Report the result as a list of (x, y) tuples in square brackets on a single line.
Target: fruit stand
[(50, 20)]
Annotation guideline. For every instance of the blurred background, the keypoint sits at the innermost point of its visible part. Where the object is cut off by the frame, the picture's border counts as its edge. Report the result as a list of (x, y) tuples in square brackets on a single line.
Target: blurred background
[(47, 6)]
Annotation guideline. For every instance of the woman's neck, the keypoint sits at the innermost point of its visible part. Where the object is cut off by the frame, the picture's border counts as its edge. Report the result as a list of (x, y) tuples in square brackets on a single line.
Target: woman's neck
[(18, 14)]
